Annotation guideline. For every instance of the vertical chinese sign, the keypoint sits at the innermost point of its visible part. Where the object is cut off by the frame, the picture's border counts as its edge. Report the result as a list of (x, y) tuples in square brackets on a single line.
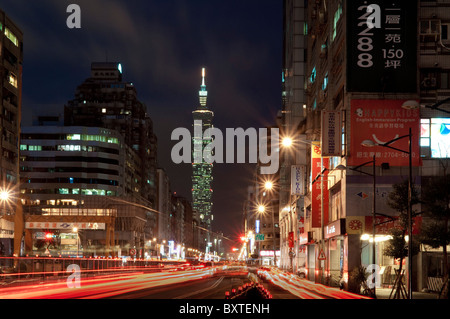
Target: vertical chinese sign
[(321, 182), (331, 133), (382, 46), (298, 177)]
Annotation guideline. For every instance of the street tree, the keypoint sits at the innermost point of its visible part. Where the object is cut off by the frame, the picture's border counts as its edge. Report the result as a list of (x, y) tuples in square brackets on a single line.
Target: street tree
[(435, 231), (397, 247)]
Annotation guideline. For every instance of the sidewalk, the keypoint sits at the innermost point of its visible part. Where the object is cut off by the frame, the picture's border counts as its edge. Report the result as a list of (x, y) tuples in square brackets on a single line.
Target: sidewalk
[(383, 293)]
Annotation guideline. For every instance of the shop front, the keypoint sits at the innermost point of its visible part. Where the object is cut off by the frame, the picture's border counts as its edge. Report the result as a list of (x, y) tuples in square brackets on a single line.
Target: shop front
[(62, 239), (335, 244), (306, 244)]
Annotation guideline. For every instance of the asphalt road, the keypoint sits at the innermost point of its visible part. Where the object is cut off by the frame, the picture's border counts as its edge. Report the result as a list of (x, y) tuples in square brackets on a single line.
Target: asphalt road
[(209, 288)]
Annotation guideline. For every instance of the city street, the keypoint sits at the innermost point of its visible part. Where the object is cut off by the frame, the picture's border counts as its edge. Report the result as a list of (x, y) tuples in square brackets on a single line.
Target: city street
[(189, 283)]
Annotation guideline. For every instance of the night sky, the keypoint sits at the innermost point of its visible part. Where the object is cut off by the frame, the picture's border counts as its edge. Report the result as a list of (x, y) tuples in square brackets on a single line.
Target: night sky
[(162, 46)]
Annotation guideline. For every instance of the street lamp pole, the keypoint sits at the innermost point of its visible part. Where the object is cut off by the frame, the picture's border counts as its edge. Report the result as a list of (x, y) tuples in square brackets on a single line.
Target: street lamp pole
[(370, 143), (410, 255)]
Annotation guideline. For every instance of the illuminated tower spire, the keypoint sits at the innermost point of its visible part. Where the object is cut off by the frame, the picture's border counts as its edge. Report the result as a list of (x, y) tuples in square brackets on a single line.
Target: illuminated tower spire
[(202, 172), (203, 94)]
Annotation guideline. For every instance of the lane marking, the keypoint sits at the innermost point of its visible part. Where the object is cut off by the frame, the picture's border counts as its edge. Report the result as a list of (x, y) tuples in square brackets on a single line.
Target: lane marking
[(217, 283)]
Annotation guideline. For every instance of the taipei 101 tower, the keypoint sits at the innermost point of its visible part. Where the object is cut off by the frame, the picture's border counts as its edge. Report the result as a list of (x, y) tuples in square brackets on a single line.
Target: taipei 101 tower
[(202, 171)]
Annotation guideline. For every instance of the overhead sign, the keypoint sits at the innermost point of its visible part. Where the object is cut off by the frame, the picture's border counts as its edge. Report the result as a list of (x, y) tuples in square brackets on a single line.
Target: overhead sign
[(382, 46), (259, 237), (331, 133), (67, 226)]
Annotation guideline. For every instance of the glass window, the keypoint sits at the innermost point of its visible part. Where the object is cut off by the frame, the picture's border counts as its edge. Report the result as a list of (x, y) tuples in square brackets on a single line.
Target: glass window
[(11, 37), (440, 137), (64, 191), (73, 137), (337, 16), (12, 79), (325, 82), (313, 76)]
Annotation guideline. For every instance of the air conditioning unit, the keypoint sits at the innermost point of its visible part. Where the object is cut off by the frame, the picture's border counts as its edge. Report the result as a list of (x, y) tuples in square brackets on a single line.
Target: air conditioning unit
[(429, 82)]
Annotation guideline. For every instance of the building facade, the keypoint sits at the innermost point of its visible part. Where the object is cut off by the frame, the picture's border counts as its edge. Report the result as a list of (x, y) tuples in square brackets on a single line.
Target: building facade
[(70, 177), (352, 95), (11, 68), (105, 100), (292, 121)]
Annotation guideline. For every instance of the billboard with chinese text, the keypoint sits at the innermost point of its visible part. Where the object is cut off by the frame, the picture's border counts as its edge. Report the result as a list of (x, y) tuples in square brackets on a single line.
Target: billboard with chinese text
[(382, 46), (381, 121)]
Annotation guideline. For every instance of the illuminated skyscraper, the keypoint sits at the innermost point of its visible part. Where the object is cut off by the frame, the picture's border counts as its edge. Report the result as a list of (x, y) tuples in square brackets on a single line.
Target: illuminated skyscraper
[(202, 171)]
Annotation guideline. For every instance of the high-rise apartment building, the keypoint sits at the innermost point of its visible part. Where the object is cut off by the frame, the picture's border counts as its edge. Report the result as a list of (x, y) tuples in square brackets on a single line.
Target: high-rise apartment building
[(11, 59), (293, 114), (71, 178), (105, 100), (202, 171)]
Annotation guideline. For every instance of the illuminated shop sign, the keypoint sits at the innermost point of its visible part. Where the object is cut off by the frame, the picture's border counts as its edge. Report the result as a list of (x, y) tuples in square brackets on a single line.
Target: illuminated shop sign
[(67, 226), (335, 228), (305, 238), (268, 253)]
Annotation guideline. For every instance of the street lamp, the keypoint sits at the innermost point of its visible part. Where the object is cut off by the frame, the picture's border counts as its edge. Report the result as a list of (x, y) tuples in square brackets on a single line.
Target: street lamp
[(4, 195), (268, 185), (370, 143), (261, 209), (287, 142), (356, 169)]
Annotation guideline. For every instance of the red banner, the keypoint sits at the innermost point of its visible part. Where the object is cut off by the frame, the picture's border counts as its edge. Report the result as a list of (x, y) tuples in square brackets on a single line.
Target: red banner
[(321, 181), (381, 121), (291, 239)]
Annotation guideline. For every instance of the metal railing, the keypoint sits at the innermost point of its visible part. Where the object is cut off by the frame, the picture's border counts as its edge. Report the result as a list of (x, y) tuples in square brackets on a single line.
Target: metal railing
[(26, 270)]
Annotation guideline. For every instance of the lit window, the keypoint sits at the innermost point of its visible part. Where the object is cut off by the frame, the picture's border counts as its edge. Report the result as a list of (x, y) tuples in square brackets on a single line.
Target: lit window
[(337, 16), (425, 132), (12, 79), (325, 82), (313, 76), (64, 191), (11, 37), (73, 137), (440, 137)]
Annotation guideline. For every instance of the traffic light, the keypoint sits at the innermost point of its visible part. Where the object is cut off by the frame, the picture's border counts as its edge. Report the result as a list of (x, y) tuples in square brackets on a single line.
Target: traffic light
[(49, 236)]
